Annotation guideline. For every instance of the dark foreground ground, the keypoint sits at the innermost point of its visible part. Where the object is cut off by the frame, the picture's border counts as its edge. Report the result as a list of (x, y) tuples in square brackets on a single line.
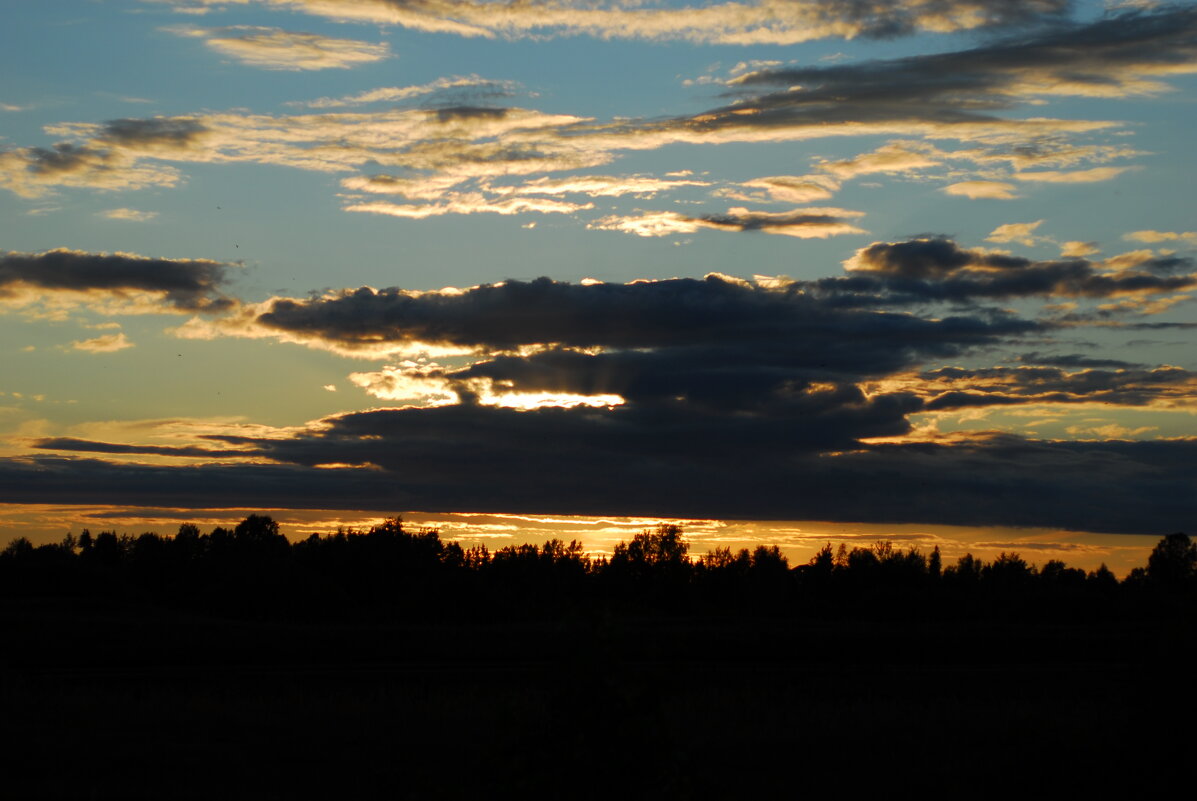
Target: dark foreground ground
[(109, 700)]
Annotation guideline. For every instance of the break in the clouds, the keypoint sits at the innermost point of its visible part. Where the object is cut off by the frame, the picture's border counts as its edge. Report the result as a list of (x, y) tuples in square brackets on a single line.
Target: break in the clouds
[(123, 280), (276, 49), (784, 22)]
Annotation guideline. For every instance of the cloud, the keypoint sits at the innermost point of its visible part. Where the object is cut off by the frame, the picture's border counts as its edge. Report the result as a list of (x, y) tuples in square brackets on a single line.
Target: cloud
[(129, 215), (929, 269), (464, 147), (899, 157), (134, 283), (32, 172), (1072, 360), (276, 49), (499, 460), (108, 343), (957, 387), (739, 23), (806, 223), (1188, 237), (470, 203), (896, 96), (1078, 250), (785, 189), (73, 444), (1116, 56), (1075, 177), (470, 87), (1021, 233), (994, 190), (598, 186)]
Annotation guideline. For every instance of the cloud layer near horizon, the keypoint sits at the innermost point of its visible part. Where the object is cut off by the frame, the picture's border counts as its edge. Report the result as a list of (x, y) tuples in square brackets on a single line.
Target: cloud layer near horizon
[(702, 397)]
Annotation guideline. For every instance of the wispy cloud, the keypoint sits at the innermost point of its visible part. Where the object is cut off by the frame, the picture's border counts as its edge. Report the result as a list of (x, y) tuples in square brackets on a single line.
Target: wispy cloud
[(471, 88), (277, 49), (993, 190), (738, 23), (108, 343), (129, 215), (803, 223)]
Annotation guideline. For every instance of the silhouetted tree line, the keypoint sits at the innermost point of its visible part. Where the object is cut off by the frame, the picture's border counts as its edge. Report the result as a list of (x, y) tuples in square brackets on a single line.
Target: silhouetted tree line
[(391, 572)]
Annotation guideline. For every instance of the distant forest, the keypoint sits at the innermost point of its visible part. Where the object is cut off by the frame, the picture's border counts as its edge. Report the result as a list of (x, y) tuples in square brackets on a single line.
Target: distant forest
[(389, 572)]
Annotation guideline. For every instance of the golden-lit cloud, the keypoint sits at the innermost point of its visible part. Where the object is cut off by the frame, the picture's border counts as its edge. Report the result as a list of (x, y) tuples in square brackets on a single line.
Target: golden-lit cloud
[(1151, 237), (803, 223), (129, 215), (108, 343), (993, 190), (1021, 233), (276, 49), (471, 203), (1075, 177), (597, 186), (739, 23), (473, 84), (1078, 250), (783, 189), (894, 157)]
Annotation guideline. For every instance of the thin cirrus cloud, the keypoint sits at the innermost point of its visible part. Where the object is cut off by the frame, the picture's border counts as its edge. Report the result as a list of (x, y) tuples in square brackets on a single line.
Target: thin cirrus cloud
[(471, 87), (277, 49), (736, 23)]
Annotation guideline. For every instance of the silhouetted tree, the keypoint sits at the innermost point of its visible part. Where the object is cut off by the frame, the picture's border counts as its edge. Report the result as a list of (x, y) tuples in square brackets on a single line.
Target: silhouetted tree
[(1173, 561)]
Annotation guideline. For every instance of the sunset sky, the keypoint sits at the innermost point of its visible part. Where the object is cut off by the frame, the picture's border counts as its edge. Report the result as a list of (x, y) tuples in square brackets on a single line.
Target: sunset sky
[(790, 270)]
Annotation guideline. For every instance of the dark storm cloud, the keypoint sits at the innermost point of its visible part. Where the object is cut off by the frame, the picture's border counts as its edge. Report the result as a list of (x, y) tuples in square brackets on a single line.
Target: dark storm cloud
[(187, 284), (645, 314), (937, 269), (1003, 386), (449, 437), (478, 459)]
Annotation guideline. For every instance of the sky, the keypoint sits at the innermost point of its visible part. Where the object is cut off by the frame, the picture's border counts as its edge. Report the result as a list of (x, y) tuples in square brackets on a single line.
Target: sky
[(787, 271)]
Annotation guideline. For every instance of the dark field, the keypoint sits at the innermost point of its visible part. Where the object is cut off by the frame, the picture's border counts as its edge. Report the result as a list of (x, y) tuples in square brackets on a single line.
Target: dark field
[(116, 700)]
